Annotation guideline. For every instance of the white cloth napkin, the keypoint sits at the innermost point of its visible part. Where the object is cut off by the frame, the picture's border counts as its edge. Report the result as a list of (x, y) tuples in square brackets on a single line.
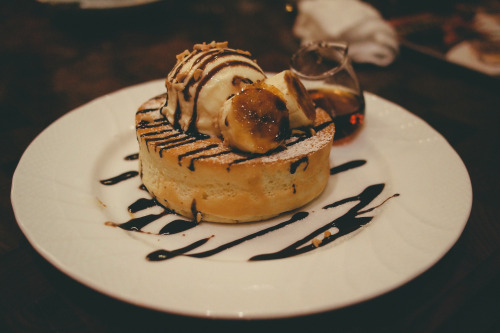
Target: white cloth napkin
[(371, 39)]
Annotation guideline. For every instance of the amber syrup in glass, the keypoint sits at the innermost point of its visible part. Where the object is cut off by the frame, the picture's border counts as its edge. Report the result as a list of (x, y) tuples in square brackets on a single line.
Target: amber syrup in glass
[(346, 108)]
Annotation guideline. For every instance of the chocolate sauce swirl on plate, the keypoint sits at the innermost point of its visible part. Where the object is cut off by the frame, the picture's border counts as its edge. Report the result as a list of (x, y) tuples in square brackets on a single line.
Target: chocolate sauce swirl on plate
[(347, 223)]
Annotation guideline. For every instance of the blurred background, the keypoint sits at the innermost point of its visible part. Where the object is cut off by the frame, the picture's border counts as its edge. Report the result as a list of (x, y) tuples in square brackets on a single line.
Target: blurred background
[(56, 56), (67, 55)]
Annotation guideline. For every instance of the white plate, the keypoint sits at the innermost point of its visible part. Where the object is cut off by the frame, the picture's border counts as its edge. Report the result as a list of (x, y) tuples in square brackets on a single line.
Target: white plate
[(100, 4), (463, 54), (62, 207)]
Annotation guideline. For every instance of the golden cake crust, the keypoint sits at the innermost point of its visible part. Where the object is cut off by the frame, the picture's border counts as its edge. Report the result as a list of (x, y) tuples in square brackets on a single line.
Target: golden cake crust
[(202, 179)]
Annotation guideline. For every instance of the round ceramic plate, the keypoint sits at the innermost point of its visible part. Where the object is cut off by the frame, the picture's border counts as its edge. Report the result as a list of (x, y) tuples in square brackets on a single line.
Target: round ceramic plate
[(100, 4), (397, 200)]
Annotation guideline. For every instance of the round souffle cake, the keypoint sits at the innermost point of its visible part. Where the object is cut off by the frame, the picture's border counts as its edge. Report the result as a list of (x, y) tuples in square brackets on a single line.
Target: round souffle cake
[(201, 178), (227, 144)]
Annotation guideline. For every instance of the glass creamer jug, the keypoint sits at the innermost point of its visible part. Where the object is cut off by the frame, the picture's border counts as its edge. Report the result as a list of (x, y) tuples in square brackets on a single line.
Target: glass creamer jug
[(326, 71)]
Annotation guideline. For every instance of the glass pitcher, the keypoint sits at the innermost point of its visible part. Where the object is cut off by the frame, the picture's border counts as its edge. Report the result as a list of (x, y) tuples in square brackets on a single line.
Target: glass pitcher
[(326, 71)]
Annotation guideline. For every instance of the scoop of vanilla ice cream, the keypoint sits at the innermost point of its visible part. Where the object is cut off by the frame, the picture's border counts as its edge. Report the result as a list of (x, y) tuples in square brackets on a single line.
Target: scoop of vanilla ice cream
[(200, 83)]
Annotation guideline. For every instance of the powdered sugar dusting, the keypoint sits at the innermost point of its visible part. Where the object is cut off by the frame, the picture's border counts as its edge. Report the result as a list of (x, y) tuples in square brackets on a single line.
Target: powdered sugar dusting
[(296, 146)]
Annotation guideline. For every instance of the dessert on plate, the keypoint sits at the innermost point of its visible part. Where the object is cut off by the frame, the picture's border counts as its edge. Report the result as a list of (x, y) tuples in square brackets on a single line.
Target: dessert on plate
[(227, 144)]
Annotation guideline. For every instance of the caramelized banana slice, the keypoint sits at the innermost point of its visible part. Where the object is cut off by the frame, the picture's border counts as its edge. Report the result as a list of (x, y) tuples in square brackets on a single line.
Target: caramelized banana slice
[(255, 120), (299, 104)]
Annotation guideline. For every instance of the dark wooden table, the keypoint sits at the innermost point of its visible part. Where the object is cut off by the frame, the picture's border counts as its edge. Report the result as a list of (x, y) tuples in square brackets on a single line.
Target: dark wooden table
[(55, 59)]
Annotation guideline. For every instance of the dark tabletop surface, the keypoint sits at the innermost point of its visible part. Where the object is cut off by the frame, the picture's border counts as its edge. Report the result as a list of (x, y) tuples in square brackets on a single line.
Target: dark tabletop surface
[(53, 60)]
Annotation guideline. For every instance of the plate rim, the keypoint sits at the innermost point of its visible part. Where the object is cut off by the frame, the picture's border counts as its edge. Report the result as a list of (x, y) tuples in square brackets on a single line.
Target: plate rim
[(88, 283)]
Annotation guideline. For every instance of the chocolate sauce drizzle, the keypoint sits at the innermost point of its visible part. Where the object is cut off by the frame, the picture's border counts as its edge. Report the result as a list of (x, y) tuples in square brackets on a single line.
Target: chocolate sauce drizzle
[(297, 139), (177, 143), (161, 255), (156, 133), (347, 166), (141, 204), (136, 224), (163, 141), (192, 128), (200, 64), (177, 116), (131, 157), (157, 123), (296, 217), (194, 152), (177, 226), (349, 222), (204, 61), (168, 138), (179, 66), (191, 164), (295, 165), (119, 178)]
